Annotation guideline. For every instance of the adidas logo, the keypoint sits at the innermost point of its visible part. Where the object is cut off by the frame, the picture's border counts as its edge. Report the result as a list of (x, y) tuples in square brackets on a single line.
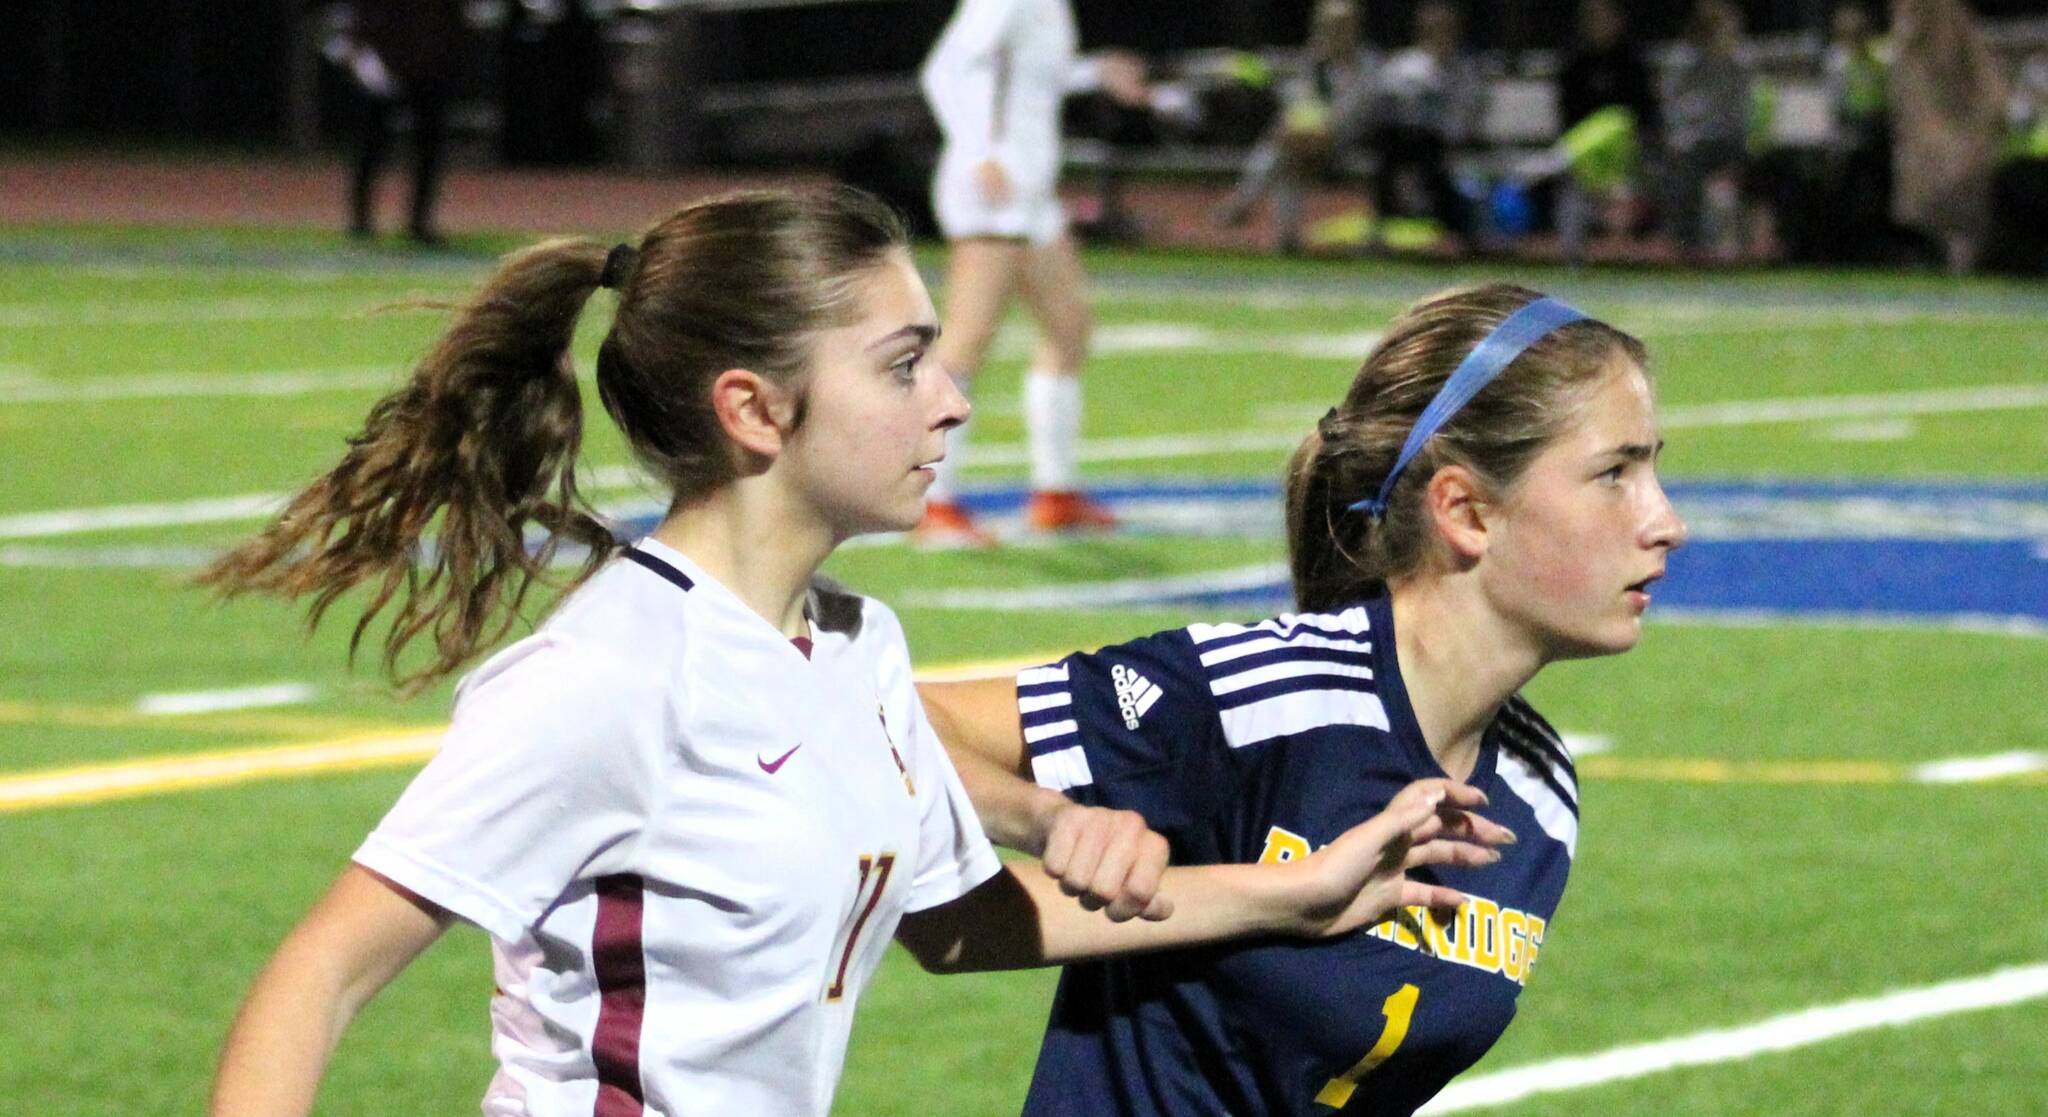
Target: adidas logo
[(1134, 694)]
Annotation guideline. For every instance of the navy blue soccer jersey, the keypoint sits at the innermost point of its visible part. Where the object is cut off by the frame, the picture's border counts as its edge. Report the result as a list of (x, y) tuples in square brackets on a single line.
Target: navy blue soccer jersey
[(1248, 743)]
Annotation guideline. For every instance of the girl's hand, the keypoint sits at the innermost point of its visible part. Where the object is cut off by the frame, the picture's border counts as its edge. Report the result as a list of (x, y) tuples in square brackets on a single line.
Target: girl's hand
[(993, 181), (1109, 859), (1362, 877)]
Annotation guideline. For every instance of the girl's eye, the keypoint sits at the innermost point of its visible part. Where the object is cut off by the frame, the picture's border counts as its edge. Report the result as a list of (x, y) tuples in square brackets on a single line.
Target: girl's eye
[(1613, 475), (905, 370)]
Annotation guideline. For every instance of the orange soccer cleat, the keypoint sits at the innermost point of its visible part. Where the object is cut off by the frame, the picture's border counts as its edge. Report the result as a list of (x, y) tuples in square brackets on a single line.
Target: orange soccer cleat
[(1067, 511), (948, 526)]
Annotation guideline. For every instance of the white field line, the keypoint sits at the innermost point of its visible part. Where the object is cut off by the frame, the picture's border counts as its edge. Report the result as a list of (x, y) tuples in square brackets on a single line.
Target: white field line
[(1988, 397), (1146, 591), (1103, 595), (159, 312), (70, 521), (219, 701), (1795, 409), (1587, 744), (42, 557), (217, 510), (174, 385), (1978, 769), (1969, 624), (1136, 448), (2009, 986), (1186, 337)]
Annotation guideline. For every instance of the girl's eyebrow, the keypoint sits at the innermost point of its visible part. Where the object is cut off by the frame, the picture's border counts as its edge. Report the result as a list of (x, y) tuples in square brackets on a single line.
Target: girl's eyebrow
[(1638, 451), (925, 334)]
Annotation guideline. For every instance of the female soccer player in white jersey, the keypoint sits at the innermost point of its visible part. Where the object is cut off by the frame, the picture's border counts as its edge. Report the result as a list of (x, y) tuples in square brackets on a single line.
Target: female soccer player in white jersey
[(1483, 502), (995, 81), (692, 809)]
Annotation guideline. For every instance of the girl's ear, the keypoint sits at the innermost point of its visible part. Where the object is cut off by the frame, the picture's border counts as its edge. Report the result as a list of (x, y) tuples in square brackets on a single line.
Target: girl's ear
[(1458, 506), (747, 405)]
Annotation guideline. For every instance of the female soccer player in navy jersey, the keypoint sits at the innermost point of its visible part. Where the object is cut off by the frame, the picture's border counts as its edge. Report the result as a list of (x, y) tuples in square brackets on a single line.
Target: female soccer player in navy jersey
[(692, 809), (1483, 502)]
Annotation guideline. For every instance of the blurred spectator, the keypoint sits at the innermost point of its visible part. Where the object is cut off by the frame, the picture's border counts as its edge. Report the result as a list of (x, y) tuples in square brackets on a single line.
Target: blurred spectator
[(553, 79), (1431, 97), (1948, 97), (1605, 68), (1706, 103), (2019, 189), (1604, 77), (1323, 111), (1858, 161), (399, 55)]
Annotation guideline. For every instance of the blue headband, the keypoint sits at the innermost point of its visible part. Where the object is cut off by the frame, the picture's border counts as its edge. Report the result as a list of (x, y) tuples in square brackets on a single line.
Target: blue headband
[(1494, 353)]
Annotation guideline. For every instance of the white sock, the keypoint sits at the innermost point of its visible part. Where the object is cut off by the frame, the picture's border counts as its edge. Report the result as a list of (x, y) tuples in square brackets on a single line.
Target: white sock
[(1052, 422), (947, 486)]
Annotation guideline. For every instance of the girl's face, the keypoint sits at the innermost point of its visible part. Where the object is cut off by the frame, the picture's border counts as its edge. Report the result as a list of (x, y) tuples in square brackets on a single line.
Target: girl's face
[(878, 408), (1587, 528)]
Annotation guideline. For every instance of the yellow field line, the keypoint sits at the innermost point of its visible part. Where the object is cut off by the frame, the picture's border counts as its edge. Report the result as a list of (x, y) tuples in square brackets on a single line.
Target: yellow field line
[(101, 782), (378, 746), (400, 746)]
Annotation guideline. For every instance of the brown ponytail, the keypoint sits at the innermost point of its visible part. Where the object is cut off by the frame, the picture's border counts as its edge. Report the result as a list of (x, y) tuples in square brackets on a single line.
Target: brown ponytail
[(484, 437), (1337, 555)]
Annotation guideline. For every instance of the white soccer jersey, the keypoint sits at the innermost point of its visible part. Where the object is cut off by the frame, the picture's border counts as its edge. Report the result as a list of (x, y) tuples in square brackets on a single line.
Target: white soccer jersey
[(995, 81), (690, 843)]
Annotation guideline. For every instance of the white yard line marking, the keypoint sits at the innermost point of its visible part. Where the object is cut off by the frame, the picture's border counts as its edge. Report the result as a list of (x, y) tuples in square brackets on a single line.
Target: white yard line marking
[(161, 312), (1154, 447), (1977, 769), (1157, 447), (172, 385), (1795, 409), (1965, 623), (222, 509), (42, 557), (1872, 430), (34, 525), (1104, 595), (219, 701), (2009, 986), (1587, 744), (1934, 401), (1184, 337)]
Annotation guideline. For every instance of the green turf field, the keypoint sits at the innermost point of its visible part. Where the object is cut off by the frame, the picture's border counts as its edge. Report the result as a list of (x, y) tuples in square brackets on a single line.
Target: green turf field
[(1753, 844)]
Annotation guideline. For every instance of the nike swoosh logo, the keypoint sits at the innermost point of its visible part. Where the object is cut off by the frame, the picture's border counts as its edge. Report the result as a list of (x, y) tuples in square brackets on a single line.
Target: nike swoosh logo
[(770, 766)]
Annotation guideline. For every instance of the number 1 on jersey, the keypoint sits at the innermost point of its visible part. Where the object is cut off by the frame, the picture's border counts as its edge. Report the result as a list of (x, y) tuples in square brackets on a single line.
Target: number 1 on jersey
[(1399, 1009)]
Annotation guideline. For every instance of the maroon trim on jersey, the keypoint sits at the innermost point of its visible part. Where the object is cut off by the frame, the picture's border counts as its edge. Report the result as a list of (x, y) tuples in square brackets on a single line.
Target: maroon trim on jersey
[(621, 964), (635, 554), (803, 644)]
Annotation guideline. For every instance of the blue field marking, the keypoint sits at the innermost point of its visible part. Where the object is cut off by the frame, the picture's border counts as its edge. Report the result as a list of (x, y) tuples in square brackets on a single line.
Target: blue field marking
[(1967, 552)]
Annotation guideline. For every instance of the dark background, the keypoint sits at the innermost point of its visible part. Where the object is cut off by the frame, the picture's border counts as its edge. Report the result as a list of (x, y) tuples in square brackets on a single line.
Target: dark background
[(217, 71)]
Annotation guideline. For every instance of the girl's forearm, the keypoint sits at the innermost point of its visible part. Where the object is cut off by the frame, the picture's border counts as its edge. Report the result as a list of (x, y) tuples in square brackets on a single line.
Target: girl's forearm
[(282, 1037), (1022, 918), (355, 940)]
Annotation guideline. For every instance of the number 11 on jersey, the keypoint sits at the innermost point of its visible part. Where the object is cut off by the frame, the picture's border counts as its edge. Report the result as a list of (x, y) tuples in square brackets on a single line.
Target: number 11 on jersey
[(1398, 1009), (873, 870)]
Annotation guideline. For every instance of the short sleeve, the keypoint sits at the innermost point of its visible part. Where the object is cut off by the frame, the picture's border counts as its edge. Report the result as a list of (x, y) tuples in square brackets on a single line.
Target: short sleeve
[(1133, 726), (547, 776), (953, 854)]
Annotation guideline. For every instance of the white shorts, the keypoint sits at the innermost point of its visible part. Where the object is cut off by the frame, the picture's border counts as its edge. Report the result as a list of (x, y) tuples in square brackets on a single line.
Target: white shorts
[(1032, 214)]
